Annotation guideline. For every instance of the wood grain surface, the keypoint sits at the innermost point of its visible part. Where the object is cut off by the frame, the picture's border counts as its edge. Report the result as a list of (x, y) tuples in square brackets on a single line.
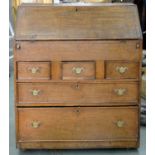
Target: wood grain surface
[(75, 22), (78, 124), (79, 93), (77, 76)]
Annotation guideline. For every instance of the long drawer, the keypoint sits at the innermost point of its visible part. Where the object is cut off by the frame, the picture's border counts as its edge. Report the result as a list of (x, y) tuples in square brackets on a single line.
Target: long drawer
[(78, 124), (78, 93)]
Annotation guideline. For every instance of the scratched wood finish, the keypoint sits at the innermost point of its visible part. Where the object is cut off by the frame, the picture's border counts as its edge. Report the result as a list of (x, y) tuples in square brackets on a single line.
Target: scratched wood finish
[(77, 50), (58, 22), (99, 107)]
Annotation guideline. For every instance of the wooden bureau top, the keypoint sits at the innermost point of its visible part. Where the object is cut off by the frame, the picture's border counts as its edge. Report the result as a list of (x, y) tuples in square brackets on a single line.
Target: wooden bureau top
[(77, 22)]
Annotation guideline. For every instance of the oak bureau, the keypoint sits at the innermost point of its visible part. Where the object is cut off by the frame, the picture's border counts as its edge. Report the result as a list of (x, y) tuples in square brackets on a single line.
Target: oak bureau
[(77, 76)]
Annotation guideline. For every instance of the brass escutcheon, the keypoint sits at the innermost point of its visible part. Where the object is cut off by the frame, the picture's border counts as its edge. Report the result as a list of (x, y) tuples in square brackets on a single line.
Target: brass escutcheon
[(34, 70), (120, 91), (121, 69), (35, 124), (120, 123), (35, 92), (77, 70)]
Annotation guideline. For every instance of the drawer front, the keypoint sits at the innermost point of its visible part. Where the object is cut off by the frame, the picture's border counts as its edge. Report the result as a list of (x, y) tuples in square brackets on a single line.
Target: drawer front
[(79, 93), (33, 70), (78, 50), (122, 70), (78, 124), (78, 70)]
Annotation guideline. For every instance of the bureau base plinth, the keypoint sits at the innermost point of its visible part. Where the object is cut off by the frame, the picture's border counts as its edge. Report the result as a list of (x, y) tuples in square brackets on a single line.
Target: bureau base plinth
[(78, 145)]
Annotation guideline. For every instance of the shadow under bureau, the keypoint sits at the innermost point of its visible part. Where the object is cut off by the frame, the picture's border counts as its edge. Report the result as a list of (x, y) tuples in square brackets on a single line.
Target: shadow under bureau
[(77, 76)]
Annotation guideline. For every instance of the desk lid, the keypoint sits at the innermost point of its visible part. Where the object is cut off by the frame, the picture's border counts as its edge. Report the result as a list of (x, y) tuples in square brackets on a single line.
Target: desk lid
[(77, 22)]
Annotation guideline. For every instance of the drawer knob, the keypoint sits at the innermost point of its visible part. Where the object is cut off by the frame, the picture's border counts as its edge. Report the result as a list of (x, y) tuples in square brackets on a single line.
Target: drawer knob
[(121, 69), (35, 124), (18, 46), (34, 70), (78, 70), (137, 45), (120, 91), (120, 123), (35, 92)]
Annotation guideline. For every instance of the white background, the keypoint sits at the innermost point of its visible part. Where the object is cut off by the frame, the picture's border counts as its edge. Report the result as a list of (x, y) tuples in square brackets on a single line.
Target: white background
[(150, 78), (4, 77)]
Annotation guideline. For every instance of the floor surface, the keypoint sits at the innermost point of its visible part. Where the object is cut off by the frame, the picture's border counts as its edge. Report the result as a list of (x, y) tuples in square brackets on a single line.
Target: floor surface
[(14, 151)]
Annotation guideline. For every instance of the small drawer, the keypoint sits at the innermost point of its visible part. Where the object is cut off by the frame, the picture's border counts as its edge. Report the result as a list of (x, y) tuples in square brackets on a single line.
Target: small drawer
[(33, 70), (78, 70), (122, 70)]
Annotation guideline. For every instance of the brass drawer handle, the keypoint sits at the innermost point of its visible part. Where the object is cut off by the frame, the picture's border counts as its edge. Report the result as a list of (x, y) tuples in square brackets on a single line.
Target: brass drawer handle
[(35, 92), (120, 91), (77, 70), (121, 69), (34, 70), (35, 124), (120, 123)]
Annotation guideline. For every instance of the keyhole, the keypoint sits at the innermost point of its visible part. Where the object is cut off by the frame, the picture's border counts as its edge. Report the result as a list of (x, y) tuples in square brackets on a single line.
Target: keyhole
[(77, 86), (76, 9), (77, 110)]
